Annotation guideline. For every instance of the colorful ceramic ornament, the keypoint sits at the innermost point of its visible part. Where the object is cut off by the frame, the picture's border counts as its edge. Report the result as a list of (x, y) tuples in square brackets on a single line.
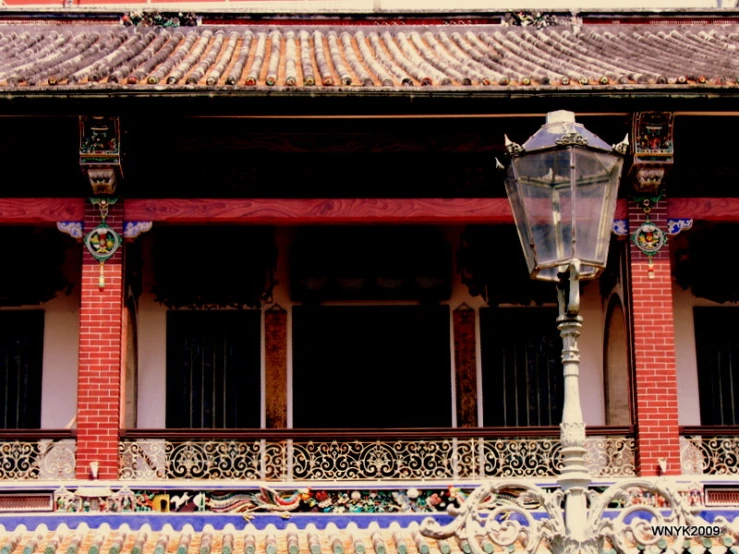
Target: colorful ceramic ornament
[(102, 242)]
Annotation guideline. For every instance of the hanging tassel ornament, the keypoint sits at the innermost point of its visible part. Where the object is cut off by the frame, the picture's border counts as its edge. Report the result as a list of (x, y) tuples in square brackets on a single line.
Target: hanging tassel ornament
[(648, 237), (102, 242)]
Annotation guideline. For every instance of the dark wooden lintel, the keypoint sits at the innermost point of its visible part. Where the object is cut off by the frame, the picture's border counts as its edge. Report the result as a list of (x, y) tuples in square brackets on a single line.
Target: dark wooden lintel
[(363, 434)]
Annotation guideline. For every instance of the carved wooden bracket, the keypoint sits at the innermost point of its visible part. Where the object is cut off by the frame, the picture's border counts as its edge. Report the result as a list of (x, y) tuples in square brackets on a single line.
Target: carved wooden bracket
[(674, 226), (74, 229), (132, 229), (100, 153), (653, 149)]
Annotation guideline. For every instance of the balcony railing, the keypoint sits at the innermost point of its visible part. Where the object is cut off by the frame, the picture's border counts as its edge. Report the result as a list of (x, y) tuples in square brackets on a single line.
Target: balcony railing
[(37, 455), (428, 455), (710, 450)]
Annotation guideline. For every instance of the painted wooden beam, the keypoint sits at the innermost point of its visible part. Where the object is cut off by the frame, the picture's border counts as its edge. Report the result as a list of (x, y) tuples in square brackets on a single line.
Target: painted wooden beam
[(704, 209), (295, 211), (19, 211)]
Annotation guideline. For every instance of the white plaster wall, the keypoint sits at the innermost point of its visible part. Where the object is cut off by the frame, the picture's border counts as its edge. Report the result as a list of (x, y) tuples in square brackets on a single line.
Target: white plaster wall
[(687, 370), (152, 338), (61, 347), (152, 377), (152, 349)]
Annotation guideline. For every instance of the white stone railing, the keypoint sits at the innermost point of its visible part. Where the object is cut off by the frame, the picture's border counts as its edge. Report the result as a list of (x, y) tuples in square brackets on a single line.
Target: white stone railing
[(424, 458)]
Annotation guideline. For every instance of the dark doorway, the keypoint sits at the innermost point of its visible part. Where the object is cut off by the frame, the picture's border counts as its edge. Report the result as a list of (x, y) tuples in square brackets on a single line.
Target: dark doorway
[(522, 378), (371, 366), (717, 353), (21, 360), (213, 369)]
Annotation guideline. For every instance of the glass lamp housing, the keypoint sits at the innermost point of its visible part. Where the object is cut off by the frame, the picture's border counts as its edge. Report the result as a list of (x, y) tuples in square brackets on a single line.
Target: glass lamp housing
[(563, 188)]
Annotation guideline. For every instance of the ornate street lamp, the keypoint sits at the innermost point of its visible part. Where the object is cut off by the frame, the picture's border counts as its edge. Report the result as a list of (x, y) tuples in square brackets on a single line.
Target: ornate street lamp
[(562, 185)]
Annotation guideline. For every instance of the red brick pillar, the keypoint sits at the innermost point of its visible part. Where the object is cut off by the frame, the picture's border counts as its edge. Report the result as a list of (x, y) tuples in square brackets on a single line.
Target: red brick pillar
[(99, 370), (657, 434)]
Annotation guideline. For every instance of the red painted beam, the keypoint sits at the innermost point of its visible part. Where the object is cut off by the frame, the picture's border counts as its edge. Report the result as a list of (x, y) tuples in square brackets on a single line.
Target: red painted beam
[(19, 211), (704, 209), (293, 211)]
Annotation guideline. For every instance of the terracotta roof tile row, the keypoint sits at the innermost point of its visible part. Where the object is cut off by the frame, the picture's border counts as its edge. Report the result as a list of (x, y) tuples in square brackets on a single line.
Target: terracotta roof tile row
[(229, 540), (111, 57), (270, 540)]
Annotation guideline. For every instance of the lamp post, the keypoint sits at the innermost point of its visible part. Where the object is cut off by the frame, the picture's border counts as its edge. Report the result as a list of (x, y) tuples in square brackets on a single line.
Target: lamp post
[(562, 185)]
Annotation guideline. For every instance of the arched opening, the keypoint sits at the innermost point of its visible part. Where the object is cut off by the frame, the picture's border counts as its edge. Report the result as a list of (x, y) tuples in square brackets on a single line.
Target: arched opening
[(616, 366)]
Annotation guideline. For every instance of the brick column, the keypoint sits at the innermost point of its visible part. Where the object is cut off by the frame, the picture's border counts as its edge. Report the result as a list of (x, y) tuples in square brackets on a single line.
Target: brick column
[(99, 370), (654, 352)]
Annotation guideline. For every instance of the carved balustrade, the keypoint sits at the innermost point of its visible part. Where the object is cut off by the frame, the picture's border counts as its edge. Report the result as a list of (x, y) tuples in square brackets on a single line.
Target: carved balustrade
[(37, 455), (433, 455), (710, 450)]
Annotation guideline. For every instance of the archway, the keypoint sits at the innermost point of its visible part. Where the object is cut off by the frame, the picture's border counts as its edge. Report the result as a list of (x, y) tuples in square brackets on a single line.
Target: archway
[(616, 376)]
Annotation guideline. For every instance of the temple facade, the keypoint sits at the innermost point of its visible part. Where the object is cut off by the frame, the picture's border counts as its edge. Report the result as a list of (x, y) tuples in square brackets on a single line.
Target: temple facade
[(265, 293)]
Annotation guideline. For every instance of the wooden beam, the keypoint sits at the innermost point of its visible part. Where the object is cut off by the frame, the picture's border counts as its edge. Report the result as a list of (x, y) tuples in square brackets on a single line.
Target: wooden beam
[(704, 209), (297, 211), (20, 211), (293, 211)]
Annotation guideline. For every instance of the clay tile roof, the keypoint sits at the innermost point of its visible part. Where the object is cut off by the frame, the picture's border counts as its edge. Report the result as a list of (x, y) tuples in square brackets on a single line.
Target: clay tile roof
[(363, 57), (240, 538), (246, 539)]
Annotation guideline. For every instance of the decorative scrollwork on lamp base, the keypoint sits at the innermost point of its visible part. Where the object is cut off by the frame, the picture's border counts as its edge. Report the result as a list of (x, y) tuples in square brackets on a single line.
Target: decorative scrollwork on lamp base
[(503, 514)]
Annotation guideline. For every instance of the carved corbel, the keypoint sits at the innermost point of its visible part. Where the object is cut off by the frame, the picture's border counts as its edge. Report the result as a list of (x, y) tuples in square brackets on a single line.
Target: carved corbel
[(100, 153), (653, 149), (74, 229), (132, 229)]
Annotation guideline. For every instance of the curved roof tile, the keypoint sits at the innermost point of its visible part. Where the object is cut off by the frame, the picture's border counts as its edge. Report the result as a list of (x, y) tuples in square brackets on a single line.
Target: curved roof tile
[(358, 57)]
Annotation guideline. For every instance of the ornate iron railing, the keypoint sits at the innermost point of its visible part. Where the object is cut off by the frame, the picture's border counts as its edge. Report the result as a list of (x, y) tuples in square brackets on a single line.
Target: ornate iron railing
[(337, 458), (710, 450), (41, 455)]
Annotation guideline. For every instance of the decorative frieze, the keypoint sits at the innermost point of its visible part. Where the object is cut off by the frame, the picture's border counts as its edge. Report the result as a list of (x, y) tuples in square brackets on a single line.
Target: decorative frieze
[(334, 500)]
